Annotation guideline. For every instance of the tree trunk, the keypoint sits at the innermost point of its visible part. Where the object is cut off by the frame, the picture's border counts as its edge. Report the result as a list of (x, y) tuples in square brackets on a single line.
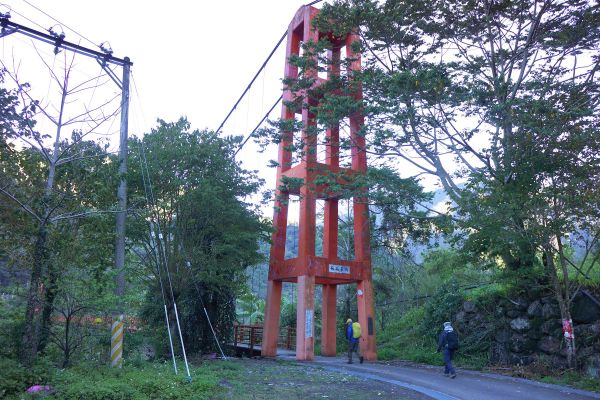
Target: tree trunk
[(48, 307), (563, 305), (31, 330), (67, 351), (31, 334)]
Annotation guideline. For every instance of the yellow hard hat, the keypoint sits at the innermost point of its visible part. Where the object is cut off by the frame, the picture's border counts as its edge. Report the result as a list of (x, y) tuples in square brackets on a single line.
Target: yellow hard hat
[(349, 321)]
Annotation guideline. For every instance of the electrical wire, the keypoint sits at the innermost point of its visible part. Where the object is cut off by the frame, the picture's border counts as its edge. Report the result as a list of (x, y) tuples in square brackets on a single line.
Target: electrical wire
[(30, 20), (161, 247), (156, 260), (59, 22), (257, 73)]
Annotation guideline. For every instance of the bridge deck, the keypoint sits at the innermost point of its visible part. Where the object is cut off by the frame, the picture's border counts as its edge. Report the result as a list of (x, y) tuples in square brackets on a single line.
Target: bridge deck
[(256, 349)]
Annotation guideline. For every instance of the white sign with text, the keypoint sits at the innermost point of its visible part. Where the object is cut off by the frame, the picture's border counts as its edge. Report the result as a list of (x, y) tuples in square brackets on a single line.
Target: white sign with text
[(339, 269)]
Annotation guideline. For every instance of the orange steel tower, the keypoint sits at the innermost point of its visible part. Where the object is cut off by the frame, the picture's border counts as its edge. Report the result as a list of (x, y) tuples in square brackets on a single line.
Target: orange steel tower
[(308, 269)]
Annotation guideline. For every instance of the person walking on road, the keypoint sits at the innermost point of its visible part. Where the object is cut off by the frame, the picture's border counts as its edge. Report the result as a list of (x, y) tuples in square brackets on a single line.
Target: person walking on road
[(448, 343), (353, 333)]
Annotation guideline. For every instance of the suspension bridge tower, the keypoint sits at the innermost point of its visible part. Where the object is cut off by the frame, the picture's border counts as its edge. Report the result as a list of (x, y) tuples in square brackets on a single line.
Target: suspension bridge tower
[(328, 269)]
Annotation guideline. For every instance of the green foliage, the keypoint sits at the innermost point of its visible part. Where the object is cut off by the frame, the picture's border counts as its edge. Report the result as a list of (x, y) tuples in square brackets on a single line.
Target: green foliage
[(571, 378), (441, 307), (146, 381), (10, 326), (15, 378), (403, 339), (250, 309), (210, 234)]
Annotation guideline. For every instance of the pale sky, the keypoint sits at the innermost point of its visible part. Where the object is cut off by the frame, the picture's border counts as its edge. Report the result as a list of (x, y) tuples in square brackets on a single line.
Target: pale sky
[(190, 59)]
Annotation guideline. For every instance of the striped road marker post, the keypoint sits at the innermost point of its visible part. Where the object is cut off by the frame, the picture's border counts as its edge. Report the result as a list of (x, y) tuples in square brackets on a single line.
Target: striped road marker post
[(116, 343)]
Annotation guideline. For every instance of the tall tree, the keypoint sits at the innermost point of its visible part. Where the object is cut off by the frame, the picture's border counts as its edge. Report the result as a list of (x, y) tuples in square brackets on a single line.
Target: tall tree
[(209, 230), (55, 142), (498, 100)]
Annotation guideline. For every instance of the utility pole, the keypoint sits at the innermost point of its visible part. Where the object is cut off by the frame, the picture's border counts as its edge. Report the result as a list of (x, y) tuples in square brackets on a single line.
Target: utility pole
[(116, 349), (105, 58)]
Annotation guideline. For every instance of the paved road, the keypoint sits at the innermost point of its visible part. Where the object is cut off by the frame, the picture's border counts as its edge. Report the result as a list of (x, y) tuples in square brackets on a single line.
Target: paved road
[(469, 385)]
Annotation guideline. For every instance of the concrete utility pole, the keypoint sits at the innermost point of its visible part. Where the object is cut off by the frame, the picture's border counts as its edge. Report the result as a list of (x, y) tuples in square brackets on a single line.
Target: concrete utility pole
[(104, 58), (116, 348)]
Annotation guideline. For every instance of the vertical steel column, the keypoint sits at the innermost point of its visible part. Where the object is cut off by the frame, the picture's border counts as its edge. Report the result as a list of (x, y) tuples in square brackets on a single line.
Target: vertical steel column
[(280, 211), (272, 313), (362, 236)]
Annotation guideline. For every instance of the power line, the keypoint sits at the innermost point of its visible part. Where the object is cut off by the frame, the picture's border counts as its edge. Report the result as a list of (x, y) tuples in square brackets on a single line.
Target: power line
[(257, 73), (28, 19), (62, 24)]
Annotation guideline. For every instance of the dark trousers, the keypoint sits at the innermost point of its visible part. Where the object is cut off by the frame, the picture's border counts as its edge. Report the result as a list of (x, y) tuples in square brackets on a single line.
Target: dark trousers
[(448, 368), (353, 348)]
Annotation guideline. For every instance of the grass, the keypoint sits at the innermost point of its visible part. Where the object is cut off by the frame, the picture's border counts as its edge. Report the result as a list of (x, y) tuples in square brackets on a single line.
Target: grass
[(150, 381), (574, 379), (234, 379), (401, 340)]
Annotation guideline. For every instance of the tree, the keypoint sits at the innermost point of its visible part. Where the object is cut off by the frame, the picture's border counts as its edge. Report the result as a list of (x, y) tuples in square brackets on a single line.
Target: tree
[(47, 203), (498, 101), (209, 233)]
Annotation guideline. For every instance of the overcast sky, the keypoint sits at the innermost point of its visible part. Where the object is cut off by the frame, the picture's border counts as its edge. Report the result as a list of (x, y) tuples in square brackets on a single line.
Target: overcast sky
[(190, 59)]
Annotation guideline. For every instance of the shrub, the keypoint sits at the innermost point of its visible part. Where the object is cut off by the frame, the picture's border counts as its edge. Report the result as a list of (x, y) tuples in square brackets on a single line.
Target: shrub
[(15, 378)]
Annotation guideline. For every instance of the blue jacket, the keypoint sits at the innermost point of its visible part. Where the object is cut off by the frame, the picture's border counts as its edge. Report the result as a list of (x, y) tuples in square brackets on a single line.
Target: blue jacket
[(349, 334)]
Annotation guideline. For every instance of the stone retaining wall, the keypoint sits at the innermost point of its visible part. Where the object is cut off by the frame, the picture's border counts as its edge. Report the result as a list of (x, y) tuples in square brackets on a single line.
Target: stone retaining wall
[(525, 330)]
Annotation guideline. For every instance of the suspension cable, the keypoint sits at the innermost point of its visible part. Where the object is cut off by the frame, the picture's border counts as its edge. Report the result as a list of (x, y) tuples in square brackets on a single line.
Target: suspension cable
[(162, 249), (258, 73), (157, 261)]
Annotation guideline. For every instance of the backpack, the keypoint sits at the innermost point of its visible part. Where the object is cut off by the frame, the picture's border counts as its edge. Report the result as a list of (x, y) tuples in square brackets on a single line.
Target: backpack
[(356, 330), (452, 340)]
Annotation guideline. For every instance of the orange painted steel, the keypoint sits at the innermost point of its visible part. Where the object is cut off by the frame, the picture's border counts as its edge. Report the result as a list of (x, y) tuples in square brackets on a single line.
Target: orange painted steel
[(308, 269)]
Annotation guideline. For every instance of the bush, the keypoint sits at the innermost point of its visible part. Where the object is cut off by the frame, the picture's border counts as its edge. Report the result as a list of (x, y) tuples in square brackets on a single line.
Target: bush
[(15, 378), (149, 381), (440, 308), (402, 339), (10, 327)]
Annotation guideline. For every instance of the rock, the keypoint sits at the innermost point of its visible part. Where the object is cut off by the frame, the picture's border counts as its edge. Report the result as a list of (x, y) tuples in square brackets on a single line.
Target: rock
[(558, 362), (148, 352), (518, 359), (585, 352), (520, 343), (592, 366), (520, 324), (584, 309), (549, 345), (587, 333), (535, 309), (502, 336), (549, 326), (499, 353), (517, 343), (460, 317), (521, 304), (469, 306), (550, 311), (534, 333)]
